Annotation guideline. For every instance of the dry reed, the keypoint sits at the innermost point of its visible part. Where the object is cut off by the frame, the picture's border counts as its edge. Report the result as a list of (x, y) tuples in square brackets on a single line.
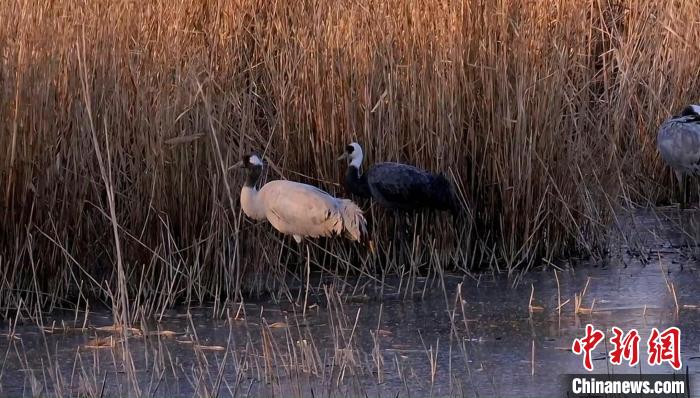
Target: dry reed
[(543, 113)]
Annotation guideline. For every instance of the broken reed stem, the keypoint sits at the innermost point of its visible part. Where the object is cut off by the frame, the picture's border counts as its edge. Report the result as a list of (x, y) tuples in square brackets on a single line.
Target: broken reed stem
[(675, 298), (578, 300), (562, 304), (585, 288), (531, 307), (559, 305), (663, 273), (532, 360)]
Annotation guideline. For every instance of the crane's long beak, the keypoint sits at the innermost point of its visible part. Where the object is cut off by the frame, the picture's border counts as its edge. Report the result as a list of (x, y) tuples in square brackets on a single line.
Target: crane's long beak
[(238, 165), (343, 156)]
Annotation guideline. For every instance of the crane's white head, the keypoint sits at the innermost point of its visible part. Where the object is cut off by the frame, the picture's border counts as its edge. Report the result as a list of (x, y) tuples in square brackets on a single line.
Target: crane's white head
[(249, 161), (353, 153), (255, 160), (691, 110), (254, 166)]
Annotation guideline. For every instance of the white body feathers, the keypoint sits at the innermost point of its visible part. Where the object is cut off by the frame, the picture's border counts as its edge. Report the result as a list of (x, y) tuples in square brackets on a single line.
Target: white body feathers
[(303, 210)]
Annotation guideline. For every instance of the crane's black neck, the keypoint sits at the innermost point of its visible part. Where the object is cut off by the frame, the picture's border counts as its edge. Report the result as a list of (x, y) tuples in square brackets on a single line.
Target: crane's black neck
[(356, 183), (253, 176), (690, 114), (689, 111)]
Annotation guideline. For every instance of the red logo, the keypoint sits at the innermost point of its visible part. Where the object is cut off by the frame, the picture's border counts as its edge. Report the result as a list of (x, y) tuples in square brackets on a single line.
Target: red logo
[(661, 347), (625, 346), (665, 347), (587, 344)]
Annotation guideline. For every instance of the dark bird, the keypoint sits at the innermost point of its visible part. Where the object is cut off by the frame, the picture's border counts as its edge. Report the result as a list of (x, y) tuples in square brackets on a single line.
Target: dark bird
[(398, 186), (678, 142)]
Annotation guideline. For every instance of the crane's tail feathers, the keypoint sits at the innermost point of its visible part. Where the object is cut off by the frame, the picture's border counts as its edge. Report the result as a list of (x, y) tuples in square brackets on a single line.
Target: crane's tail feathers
[(354, 223)]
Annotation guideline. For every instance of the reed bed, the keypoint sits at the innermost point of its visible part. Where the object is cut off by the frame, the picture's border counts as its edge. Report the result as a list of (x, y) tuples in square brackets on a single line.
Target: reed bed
[(120, 120)]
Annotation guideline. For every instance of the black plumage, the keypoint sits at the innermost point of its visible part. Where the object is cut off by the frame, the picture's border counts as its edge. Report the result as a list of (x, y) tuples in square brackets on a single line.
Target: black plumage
[(399, 186), (689, 115), (254, 172)]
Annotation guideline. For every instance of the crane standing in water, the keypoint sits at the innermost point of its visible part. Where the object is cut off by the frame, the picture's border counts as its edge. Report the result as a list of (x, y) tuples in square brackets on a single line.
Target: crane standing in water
[(399, 187), (300, 210), (678, 142), (297, 209)]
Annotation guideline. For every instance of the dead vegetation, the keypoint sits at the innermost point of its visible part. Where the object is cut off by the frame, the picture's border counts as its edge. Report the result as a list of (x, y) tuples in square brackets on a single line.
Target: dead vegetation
[(120, 120)]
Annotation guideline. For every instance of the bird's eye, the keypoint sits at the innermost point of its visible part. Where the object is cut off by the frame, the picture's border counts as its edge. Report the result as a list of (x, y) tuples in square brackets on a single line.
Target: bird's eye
[(349, 149)]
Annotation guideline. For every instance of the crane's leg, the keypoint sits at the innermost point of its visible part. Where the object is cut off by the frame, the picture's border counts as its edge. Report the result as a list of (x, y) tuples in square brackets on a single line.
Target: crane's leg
[(696, 182), (395, 237), (308, 281), (304, 263), (697, 187), (300, 247), (681, 188), (404, 241)]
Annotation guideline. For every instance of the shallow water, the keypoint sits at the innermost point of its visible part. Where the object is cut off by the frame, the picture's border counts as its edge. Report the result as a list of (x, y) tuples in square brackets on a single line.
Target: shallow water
[(450, 336)]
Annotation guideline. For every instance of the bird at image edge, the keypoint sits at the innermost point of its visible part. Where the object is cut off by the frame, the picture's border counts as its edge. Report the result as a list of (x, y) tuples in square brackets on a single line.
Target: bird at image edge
[(678, 142)]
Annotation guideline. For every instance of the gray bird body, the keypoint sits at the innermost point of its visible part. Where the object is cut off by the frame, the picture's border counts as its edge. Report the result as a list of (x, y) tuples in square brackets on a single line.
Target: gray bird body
[(300, 210), (678, 142)]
